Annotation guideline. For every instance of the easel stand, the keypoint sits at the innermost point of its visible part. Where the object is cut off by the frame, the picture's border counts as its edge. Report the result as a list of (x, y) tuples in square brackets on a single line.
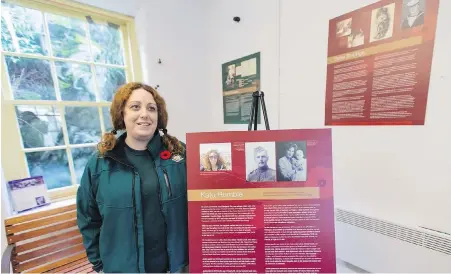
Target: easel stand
[(256, 97)]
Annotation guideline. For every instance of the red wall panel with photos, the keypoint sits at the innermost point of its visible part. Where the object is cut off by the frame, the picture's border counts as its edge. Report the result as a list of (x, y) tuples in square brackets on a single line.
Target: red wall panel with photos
[(261, 201)]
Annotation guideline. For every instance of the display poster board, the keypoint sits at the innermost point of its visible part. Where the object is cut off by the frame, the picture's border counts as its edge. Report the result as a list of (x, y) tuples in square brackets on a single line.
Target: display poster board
[(379, 63), (261, 201), (240, 78)]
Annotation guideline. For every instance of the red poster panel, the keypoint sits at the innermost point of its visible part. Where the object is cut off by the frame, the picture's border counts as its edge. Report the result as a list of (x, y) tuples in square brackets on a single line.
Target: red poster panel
[(261, 201), (379, 63)]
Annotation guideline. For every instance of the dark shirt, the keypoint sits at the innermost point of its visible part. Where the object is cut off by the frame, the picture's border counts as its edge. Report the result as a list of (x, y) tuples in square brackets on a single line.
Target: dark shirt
[(156, 258), (419, 20), (264, 174)]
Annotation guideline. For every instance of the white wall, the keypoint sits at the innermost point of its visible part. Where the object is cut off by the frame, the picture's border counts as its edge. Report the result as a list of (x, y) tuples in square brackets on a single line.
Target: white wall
[(6, 210), (394, 173), (192, 49), (258, 31), (175, 31), (129, 7)]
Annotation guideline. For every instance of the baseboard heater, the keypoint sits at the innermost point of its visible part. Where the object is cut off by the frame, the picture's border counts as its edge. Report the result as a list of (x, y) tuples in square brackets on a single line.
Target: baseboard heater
[(377, 245)]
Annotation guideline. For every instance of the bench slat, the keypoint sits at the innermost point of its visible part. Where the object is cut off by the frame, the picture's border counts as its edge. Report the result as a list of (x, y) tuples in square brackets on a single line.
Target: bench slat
[(70, 266), (38, 215), (59, 251), (50, 258), (48, 249), (84, 269), (64, 268), (46, 241), (40, 223), (58, 263), (39, 232)]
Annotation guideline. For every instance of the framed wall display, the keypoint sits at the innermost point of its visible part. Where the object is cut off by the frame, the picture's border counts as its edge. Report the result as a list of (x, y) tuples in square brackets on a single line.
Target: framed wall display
[(240, 78), (379, 63)]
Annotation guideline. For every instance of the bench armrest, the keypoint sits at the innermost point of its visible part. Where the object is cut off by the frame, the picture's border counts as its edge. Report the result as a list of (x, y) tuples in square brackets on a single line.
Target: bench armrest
[(6, 259)]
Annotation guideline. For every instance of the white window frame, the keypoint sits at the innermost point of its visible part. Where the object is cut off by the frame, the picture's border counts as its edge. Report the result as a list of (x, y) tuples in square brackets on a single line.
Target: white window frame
[(14, 162)]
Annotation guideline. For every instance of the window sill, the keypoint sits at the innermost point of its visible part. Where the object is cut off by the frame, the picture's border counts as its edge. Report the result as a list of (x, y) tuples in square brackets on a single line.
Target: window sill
[(61, 194)]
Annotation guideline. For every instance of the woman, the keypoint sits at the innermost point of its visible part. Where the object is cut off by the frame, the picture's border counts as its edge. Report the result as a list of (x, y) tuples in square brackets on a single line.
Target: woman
[(212, 161), (285, 165), (383, 20), (131, 203)]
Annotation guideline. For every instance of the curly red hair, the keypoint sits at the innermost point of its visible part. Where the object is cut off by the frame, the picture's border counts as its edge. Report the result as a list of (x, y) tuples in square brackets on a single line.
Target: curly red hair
[(207, 164), (117, 118)]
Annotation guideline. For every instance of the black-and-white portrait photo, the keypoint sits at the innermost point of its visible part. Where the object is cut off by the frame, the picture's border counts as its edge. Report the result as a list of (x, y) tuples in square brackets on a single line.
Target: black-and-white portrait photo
[(343, 27), (413, 12), (216, 157), (231, 69), (356, 38), (382, 22), (292, 161), (260, 162)]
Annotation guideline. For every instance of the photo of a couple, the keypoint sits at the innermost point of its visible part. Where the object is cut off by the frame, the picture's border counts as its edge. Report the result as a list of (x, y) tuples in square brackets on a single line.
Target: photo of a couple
[(292, 161)]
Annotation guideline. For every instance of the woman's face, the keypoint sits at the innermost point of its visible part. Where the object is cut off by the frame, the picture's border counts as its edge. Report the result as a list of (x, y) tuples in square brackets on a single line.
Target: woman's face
[(141, 115), (290, 152), (213, 157)]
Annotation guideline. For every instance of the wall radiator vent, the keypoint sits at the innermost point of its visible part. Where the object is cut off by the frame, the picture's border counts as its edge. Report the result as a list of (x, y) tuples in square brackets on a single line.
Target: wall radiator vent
[(396, 231)]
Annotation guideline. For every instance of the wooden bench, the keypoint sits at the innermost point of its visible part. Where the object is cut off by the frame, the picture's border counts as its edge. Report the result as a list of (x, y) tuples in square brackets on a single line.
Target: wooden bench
[(45, 241)]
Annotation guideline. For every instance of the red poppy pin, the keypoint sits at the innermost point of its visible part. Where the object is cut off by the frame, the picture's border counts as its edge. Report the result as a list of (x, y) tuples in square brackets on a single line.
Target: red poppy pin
[(165, 154)]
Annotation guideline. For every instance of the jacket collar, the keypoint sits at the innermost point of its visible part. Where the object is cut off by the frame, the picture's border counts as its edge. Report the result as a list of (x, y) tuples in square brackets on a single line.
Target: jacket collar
[(154, 146)]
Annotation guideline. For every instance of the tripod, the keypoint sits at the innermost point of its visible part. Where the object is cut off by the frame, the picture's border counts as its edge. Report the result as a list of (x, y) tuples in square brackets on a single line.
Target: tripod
[(256, 96)]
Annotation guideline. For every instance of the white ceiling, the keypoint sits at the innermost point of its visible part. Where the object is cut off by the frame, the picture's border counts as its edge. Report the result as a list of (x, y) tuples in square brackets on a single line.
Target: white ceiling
[(127, 7)]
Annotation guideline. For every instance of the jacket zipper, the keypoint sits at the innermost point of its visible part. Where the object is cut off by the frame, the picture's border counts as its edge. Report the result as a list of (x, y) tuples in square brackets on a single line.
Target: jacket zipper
[(168, 183), (135, 230), (135, 219)]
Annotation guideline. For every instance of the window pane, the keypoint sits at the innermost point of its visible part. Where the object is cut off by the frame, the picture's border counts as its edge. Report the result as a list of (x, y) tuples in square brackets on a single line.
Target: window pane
[(106, 42), (107, 119), (30, 78), (68, 37), (75, 81), (108, 80), (83, 124), (81, 157), (52, 165), (7, 42), (25, 27), (40, 126)]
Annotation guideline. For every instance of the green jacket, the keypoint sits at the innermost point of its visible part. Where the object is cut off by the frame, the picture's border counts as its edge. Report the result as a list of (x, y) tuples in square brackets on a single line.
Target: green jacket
[(109, 213)]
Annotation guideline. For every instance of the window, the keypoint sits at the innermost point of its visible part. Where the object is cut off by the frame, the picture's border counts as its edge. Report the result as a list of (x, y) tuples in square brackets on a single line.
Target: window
[(61, 64)]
